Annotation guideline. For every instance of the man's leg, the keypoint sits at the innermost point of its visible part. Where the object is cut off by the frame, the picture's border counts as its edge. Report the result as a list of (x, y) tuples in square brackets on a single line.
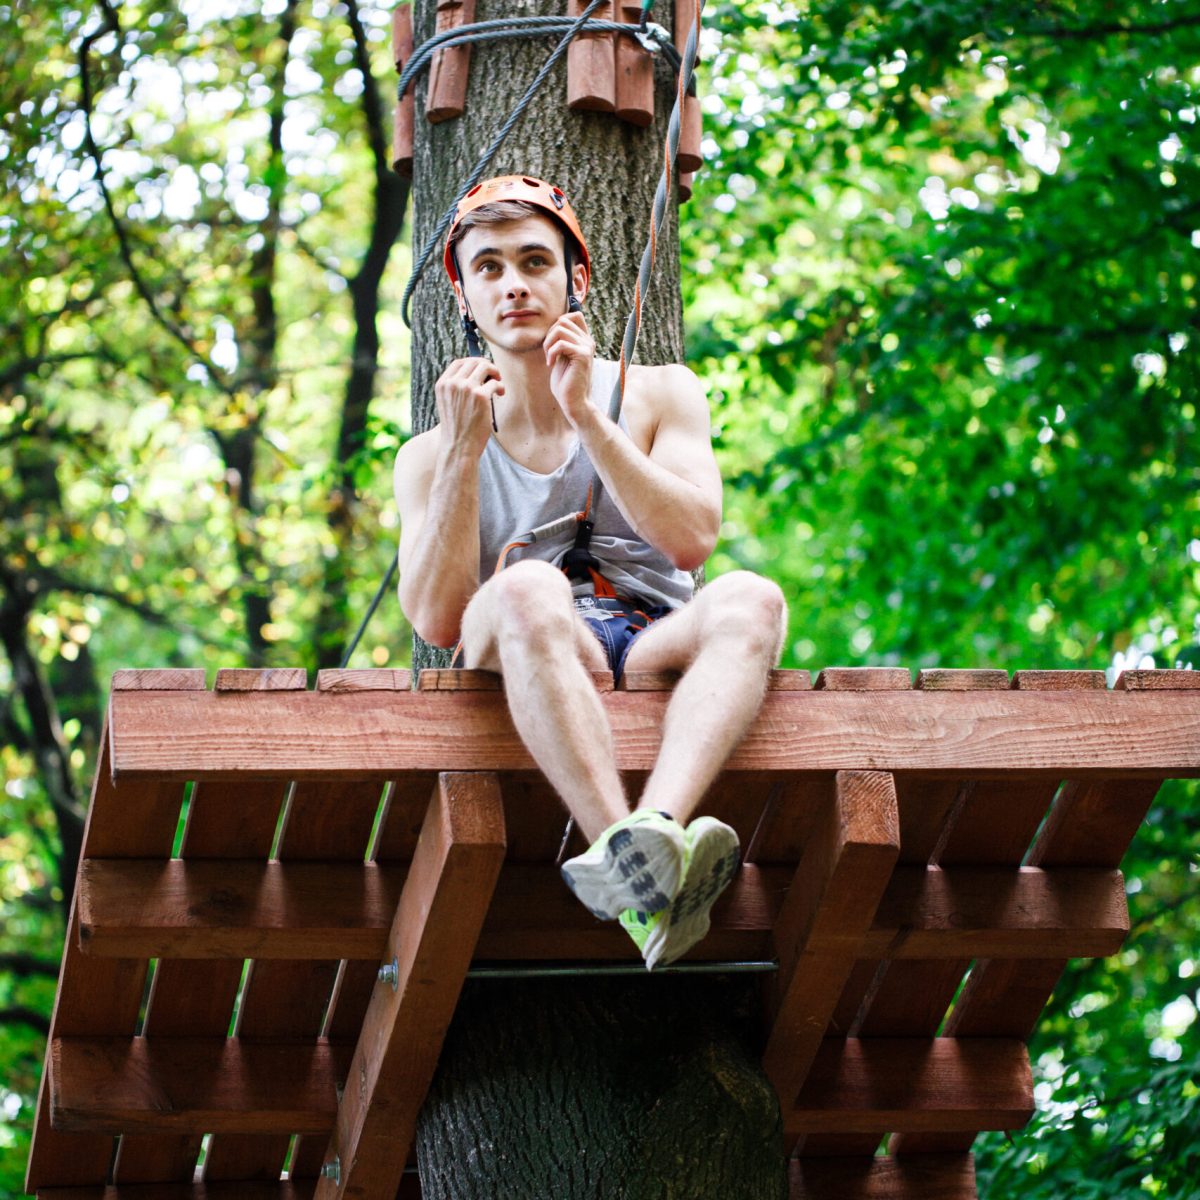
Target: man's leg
[(725, 642), (522, 624)]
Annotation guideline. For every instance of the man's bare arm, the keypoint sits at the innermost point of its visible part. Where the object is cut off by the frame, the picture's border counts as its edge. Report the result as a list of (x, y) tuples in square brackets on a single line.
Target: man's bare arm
[(672, 496)]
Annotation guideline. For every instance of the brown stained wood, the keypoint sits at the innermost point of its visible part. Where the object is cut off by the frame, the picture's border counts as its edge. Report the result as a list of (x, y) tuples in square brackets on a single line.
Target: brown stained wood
[(437, 923), (876, 1085), (828, 909), (863, 679), (242, 1190), (99, 998), (189, 735), (591, 65), (188, 998), (634, 72), (691, 133), (1158, 681), (407, 799), (464, 679), (738, 800), (793, 807), (246, 679), (159, 679), (665, 681), (534, 817), (1057, 681), (919, 1177), (686, 181), (926, 808), (944, 679), (1091, 825), (403, 115), (183, 1085), (449, 70), (995, 821), (365, 679)]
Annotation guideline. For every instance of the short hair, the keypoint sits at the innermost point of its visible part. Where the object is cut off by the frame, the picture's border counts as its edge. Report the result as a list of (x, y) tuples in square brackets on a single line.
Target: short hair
[(499, 212)]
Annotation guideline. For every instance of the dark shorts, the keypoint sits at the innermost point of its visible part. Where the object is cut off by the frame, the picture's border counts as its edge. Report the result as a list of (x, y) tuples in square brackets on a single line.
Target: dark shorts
[(617, 624)]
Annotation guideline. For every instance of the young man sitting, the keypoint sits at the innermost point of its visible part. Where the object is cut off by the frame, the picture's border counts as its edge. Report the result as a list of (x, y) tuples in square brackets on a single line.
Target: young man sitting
[(519, 440)]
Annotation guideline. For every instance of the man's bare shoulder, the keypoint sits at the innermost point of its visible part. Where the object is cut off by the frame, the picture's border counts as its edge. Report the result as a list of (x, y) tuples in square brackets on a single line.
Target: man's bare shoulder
[(415, 462), (670, 391)]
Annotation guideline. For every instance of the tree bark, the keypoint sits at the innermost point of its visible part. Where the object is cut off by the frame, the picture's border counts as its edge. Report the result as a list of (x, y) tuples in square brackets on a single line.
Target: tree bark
[(641, 1088)]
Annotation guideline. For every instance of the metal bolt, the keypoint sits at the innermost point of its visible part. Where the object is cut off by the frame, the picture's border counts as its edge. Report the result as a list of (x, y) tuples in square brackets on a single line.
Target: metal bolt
[(390, 973), (332, 1170)]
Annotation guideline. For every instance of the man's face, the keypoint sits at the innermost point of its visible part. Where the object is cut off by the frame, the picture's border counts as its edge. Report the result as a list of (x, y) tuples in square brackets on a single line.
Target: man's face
[(515, 280)]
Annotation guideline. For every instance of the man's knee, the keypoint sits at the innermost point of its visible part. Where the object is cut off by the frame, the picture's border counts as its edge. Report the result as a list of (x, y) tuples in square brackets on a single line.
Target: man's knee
[(531, 603), (749, 609)]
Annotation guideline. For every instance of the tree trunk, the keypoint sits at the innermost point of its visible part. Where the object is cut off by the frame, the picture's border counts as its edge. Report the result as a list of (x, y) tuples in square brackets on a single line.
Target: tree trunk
[(640, 1088)]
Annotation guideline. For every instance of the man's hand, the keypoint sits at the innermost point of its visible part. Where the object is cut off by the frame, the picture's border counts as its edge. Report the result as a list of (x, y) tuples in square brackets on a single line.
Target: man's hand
[(569, 354), (464, 395)]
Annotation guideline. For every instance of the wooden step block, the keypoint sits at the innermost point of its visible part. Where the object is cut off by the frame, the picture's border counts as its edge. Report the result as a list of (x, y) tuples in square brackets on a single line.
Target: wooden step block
[(462, 679), (159, 679), (1059, 681), (910, 1085), (864, 679), (943, 679), (364, 679), (447, 95), (245, 679), (665, 681), (634, 72), (1158, 681), (591, 64), (915, 1177), (402, 127)]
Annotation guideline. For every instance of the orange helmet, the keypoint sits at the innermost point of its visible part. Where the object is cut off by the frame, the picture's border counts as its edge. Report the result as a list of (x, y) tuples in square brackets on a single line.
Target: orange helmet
[(517, 187)]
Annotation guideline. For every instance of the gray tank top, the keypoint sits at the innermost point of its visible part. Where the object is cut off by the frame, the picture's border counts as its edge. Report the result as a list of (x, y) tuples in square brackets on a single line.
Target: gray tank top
[(514, 500)]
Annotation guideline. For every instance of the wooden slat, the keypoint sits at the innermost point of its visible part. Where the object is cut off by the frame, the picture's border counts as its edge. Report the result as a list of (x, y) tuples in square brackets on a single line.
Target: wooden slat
[(250, 679), (634, 71), (829, 907), (159, 679), (366, 679), (917, 1177), (591, 65), (665, 681), (1158, 681), (944, 679), (1058, 681), (464, 679), (192, 999), (864, 679), (403, 114), (237, 909), (448, 73), (98, 998), (874, 1085), (689, 159), (1088, 734), (432, 939), (187, 1085), (244, 1189)]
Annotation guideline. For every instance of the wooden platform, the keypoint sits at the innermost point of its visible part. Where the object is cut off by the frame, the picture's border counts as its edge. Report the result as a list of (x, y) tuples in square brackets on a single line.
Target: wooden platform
[(920, 862)]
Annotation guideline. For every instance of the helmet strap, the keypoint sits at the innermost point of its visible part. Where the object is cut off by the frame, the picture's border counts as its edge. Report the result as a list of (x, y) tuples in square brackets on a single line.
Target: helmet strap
[(573, 305)]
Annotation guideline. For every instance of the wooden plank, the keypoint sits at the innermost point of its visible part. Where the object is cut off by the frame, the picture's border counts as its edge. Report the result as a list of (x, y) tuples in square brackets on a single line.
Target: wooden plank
[(190, 1085), (159, 679), (328, 822), (94, 997), (665, 681), (1091, 825), (828, 910), (792, 809), (244, 1189), (448, 73), (864, 679), (193, 999), (689, 159), (464, 679), (875, 1085), (1058, 681), (917, 1177), (634, 71), (402, 120), (366, 679), (1086, 735), (945, 679), (249, 679), (1158, 681), (591, 66), (432, 939)]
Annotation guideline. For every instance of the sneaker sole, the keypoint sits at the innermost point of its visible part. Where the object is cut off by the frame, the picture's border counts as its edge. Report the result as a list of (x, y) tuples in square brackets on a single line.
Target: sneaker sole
[(639, 867), (716, 857)]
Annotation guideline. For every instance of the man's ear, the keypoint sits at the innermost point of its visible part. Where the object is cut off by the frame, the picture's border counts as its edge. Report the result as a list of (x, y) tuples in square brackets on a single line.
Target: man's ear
[(579, 277), (461, 298)]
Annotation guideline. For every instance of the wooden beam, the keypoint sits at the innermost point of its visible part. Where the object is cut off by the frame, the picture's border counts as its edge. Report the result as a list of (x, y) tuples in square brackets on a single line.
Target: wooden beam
[(301, 1189), (919, 1177), (194, 1085), (237, 909), (880, 1085), (828, 910), (985, 734), (441, 910)]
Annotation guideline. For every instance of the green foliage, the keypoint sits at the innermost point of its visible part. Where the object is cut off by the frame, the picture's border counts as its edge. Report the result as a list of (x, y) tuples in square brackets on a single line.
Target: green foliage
[(940, 274)]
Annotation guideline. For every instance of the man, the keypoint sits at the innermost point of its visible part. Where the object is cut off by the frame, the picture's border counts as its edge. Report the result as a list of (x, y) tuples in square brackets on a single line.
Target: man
[(517, 445)]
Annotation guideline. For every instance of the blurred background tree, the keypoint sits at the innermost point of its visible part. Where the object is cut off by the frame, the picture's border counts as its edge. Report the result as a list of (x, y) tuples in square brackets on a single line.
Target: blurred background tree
[(940, 275)]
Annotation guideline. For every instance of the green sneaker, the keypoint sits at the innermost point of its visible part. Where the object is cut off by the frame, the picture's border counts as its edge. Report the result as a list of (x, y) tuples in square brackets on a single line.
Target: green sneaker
[(642, 928), (636, 863), (711, 858)]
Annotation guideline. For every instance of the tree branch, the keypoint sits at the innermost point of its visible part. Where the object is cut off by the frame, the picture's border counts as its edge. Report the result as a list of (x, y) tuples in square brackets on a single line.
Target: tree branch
[(26, 965), (1082, 33), (19, 1015)]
